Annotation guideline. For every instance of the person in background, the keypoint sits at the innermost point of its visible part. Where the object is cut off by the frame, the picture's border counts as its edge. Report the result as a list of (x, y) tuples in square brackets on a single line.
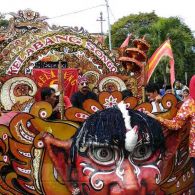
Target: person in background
[(185, 94), (48, 94), (95, 90), (178, 90), (178, 87), (67, 102), (83, 94), (168, 89), (126, 93), (163, 90), (152, 93)]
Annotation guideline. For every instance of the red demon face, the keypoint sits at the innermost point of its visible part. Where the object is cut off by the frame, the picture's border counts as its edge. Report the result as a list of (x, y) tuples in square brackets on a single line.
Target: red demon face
[(111, 170), (100, 163)]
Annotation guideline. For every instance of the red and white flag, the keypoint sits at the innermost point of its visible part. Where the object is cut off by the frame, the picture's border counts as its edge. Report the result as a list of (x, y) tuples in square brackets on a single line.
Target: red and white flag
[(124, 45), (126, 42), (163, 50)]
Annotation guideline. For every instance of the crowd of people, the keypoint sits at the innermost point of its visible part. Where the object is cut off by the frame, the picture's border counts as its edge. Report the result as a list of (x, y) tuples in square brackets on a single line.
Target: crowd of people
[(153, 93), (51, 95)]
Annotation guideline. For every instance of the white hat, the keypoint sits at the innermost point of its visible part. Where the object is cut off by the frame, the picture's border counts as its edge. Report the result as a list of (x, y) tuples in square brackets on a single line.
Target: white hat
[(55, 87)]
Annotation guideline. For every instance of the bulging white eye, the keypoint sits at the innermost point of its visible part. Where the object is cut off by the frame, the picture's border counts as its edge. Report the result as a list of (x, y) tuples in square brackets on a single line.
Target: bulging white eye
[(168, 104), (142, 152), (5, 136), (40, 144), (103, 155), (43, 114)]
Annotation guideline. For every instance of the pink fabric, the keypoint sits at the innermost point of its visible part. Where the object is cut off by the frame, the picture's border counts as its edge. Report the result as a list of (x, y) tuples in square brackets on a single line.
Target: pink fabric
[(5, 118), (192, 87)]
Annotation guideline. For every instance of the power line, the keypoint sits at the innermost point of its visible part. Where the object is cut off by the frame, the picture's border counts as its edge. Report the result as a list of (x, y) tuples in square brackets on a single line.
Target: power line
[(112, 14), (75, 12)]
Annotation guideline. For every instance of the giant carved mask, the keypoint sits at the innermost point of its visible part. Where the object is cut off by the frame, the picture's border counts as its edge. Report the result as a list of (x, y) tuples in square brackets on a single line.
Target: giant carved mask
[(99, 162)]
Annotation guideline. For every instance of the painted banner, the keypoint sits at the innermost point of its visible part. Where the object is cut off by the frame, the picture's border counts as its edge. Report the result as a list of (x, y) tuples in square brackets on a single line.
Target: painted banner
[(163, 50), (47, 77), (28, 50)]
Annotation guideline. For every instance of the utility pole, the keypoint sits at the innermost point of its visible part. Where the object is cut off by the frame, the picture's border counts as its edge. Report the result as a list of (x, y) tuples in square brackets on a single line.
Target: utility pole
[(109, 27), (101, 22)]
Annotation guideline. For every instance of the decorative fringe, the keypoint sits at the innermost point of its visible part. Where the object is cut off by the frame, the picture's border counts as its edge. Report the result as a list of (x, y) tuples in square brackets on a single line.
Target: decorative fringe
[(148, 126), (107, 128), (104, 127)]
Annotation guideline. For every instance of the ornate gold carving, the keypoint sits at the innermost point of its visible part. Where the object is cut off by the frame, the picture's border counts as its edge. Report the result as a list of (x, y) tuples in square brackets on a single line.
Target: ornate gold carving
[(36, 166)]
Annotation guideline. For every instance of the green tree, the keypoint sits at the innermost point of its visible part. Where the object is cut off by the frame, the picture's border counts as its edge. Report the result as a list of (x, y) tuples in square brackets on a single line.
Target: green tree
[(182, 42), (157, 30), (135, 24), (3, 22)]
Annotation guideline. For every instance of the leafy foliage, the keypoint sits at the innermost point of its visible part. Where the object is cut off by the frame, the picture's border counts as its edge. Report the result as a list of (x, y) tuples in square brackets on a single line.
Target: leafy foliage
[(157, 30), (3, 22)]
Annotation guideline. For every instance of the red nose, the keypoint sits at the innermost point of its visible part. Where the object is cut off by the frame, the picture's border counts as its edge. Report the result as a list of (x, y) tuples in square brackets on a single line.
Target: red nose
[(129, 184), (127, 190)]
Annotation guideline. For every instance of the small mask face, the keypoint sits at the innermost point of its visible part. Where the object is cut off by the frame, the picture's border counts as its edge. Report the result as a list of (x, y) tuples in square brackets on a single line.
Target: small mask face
[(21, 90), (96, 91), (110, 87)]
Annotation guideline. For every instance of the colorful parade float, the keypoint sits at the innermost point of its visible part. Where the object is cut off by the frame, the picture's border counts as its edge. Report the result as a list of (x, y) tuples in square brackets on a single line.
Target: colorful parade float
[(89, 152)]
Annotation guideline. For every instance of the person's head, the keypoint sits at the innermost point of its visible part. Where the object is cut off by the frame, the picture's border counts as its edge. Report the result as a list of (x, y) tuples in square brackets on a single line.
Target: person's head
[(185, 93), (55, 87), (48, 95), (83, 85), (95, 90), (177, 84), (126, 93), (168, 89), (152, 90)]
